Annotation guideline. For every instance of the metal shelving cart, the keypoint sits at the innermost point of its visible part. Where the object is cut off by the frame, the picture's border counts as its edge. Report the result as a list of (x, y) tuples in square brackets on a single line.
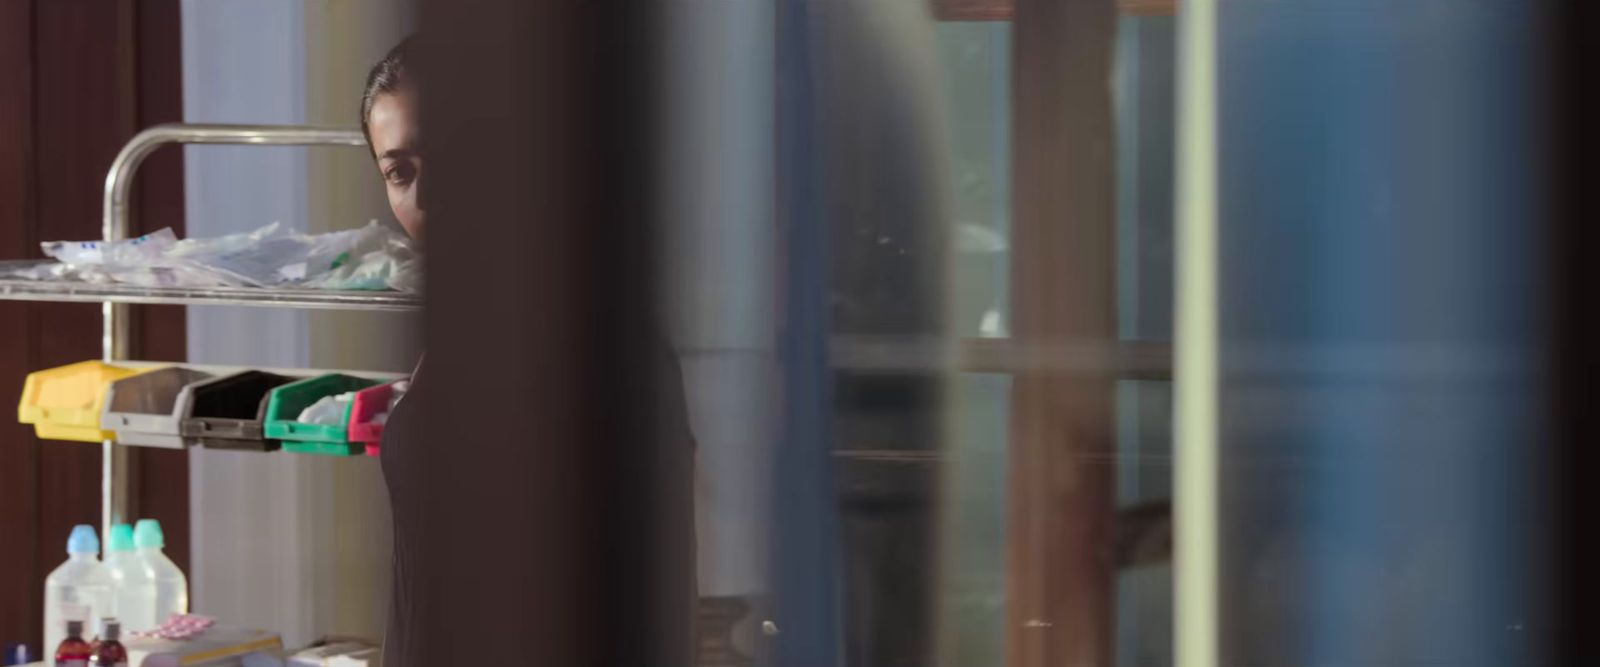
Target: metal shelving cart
[(115, 299)]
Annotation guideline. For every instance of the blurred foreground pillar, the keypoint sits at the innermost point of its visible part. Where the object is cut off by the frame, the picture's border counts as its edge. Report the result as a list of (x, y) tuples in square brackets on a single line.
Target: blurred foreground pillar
[(555, 510)]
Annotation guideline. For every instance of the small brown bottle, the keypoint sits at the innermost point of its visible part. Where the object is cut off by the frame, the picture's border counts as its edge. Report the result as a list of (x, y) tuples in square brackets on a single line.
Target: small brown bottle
[(73, 651), (108, 652)]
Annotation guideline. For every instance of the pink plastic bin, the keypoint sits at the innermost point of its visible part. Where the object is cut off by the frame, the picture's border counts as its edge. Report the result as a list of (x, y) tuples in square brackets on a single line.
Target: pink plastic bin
[(368, 404)]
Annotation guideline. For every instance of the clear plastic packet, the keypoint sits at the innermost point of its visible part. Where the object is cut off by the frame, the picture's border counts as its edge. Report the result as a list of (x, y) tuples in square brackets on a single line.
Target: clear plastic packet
[(328, 410), (372, 257), (395, 265), (139, 251), (250, 259), (269, 257), (135, 261), (33, 270)]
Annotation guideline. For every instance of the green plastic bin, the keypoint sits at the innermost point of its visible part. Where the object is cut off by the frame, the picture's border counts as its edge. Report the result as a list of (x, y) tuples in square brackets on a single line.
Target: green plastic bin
[(285, 403)]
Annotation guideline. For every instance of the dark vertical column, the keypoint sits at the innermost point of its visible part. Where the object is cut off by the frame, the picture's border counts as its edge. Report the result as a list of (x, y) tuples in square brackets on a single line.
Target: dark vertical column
[(1573, 356), (1061, 530), (545, 518)]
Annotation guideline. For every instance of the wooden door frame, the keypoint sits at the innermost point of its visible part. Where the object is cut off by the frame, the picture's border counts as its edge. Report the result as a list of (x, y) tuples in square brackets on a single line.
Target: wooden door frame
[(1061, 506)]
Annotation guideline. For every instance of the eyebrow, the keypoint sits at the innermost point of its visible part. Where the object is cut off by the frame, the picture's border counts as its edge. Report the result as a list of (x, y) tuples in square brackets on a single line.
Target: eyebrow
[(396, 153)]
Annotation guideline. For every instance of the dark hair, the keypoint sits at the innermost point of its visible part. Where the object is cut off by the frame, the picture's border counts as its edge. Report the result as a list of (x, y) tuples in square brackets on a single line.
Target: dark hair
[(385, 77)]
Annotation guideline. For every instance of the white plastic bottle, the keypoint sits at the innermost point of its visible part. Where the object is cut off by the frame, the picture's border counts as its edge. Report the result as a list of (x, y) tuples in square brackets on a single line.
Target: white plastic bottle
[(134, 590), (172, 588), (79, 590)]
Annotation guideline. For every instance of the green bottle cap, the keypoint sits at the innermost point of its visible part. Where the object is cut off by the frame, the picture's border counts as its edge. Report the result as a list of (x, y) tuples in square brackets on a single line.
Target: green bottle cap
[(121, 538), (147, 533)]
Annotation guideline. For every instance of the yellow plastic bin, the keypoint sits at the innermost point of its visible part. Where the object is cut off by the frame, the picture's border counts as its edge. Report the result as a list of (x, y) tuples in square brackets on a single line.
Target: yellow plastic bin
[(65, 403)]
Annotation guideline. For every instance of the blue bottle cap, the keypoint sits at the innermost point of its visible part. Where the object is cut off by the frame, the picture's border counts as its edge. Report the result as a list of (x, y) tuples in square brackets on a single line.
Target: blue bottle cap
[(83, 540)]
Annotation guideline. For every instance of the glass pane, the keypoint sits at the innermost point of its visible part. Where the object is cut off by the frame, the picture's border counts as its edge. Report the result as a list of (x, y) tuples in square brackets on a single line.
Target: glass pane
[(915, 163), (975, 229), (975, 84), (1144, 482), (972, 549), (1380, 263), (1145, 105), (1144, 616), (1144, 442), (919, 193)]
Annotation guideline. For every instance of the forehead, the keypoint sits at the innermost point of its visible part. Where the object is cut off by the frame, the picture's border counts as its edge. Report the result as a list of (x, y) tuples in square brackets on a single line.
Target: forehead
[(393, 122)]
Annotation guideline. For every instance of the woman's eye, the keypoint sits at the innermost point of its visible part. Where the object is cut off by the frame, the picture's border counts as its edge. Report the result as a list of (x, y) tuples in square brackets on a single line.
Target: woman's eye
[(399, 174)]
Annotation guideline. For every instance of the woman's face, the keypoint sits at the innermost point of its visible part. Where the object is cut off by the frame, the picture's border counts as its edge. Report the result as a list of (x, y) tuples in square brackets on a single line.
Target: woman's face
[(396, 142)]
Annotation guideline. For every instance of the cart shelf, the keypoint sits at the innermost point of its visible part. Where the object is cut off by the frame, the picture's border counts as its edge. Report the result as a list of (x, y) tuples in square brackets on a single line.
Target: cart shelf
[(116, 298), (16, 289)]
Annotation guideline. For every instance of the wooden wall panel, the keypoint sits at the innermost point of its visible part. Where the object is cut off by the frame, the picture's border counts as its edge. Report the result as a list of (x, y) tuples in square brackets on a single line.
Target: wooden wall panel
[(79, 120), (19, 598), (77, 79)]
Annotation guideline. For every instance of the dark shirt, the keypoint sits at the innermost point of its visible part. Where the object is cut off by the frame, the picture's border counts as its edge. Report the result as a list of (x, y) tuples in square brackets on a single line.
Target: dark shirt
[(421, 628)]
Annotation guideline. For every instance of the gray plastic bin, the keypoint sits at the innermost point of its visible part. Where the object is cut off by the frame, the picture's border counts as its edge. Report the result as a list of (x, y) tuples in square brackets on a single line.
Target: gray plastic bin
[(144, 409)]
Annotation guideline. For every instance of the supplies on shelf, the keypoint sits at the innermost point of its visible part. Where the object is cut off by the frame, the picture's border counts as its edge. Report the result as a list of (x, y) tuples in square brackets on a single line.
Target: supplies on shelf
[(81, 589), (328, 410), (197, 640), (328, 652), (134, 598), (172, 586), (337, 653), (373, 257), (136, 582)]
